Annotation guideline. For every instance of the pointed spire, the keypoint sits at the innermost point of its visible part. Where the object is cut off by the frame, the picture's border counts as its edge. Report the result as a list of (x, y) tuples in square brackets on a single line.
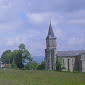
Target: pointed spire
[(50, 32)]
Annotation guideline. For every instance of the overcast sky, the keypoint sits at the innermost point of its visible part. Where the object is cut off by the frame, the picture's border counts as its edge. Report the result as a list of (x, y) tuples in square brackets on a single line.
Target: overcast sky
[(27, 21)]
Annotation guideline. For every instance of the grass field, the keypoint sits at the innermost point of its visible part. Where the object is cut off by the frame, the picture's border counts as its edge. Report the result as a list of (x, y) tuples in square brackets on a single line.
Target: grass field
[(24, 77)]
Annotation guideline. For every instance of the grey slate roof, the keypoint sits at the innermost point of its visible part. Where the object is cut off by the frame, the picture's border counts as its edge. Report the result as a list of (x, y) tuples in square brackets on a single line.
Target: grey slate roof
[(70, 53), (50, 32)]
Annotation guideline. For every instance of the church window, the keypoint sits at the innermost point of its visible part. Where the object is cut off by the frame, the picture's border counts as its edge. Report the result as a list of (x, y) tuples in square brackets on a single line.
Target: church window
[(72, 60), (68, 64), (63, 61)]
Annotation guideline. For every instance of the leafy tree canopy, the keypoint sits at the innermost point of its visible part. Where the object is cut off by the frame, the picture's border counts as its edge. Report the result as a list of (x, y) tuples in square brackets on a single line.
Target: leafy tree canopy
[(31, 65), (21, 46), (41, 66), (17, 57), (6, 57)]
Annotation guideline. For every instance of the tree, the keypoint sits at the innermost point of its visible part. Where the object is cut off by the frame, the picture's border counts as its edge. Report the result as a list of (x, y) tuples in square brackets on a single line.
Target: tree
[(41, 66), (26, 55), (14, 54), (9, 56), (6, 57), (14, 66), (34, 65), (21, 46), (20, 55), (59, 66), (18, 59), (31, 65), (28, 65)]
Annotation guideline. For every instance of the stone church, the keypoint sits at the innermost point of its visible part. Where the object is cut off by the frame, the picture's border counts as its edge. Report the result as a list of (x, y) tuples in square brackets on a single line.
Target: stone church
[(71, 60)]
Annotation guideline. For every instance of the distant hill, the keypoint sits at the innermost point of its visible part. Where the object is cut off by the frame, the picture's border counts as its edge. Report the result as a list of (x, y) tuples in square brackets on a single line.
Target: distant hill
[(38, 59)]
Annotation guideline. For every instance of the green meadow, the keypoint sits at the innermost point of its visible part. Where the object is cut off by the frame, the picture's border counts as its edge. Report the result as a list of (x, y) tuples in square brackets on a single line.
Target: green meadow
[(25, 77)]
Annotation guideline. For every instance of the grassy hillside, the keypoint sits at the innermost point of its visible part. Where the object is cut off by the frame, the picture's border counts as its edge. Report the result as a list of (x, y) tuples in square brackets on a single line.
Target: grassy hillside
[(24, 77)]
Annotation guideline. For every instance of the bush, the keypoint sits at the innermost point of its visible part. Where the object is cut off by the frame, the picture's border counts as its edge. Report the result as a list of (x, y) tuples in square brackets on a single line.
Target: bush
[(58, 66)]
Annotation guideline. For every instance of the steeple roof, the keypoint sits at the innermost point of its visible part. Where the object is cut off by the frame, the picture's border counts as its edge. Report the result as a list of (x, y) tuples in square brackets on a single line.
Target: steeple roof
[(50, 32)]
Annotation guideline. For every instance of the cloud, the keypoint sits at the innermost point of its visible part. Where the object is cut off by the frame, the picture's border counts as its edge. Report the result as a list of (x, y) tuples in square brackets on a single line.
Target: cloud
[(77, 21), (59, 33), (35, 17), (75, 18), (45, 17), (23, 21), (56, 5), (76, 41), (33, 40)]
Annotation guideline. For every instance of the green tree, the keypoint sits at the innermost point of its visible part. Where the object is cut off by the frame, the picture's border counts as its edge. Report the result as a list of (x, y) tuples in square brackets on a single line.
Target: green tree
[(14, 66), (19, 56), (31, 65), (6, 57), (26, 55), (14, 54), (21, 46), (9, 57), (28, 65), (59, 66), (41, 66), (34, 65), (18, 59)]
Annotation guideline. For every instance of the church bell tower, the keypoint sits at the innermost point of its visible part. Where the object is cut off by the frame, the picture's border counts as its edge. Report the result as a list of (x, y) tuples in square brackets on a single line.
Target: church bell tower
[(50, 51)]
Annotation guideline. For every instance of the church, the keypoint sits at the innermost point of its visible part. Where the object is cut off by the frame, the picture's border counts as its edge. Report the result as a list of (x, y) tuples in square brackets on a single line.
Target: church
[(71, 60)]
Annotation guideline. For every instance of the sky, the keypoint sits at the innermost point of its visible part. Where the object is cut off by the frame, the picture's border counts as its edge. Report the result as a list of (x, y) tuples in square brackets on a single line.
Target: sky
[(27, 21)]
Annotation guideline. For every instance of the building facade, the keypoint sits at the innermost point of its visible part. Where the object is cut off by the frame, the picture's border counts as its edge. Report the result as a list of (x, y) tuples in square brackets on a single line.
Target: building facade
[(71, 60)]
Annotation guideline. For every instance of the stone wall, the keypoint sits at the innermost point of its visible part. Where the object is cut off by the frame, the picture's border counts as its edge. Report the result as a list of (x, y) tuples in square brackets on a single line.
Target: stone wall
[(48, 62), (82, 63), (68, 63), (50, 59)]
